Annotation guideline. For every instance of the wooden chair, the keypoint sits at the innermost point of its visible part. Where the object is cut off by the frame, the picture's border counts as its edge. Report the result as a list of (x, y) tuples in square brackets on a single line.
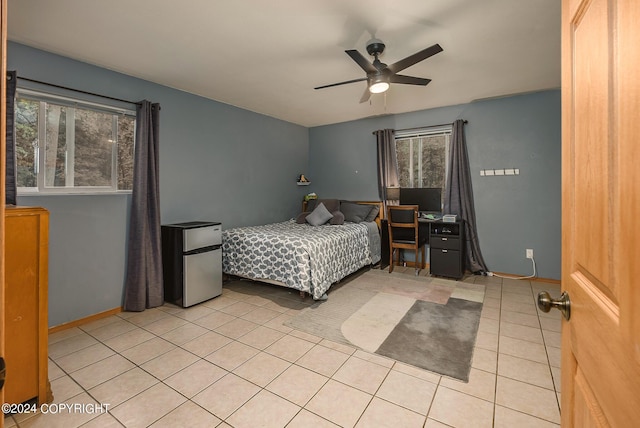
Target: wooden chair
[(404, 233)]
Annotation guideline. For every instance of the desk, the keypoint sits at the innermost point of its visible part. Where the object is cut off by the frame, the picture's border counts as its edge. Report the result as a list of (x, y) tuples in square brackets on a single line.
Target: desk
[(446, 247)]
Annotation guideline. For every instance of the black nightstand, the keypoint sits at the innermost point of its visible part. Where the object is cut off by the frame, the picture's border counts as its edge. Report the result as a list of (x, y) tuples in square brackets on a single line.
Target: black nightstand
[(446, 249)]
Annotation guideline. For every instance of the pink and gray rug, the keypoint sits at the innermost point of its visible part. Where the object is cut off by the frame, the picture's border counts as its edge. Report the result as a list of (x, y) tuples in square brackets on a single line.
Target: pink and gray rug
[(426, 322)]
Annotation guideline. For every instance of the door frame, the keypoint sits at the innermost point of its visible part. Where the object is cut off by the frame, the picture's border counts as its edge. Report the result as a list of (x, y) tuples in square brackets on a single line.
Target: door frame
[(3, 163)]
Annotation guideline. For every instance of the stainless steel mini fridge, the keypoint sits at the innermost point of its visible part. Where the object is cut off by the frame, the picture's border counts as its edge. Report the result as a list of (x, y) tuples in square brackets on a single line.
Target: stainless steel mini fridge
[(192, 262)]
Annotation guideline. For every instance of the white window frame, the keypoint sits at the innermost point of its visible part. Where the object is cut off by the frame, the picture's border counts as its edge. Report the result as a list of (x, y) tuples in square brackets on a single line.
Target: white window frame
[(70, 103), (426, 132)]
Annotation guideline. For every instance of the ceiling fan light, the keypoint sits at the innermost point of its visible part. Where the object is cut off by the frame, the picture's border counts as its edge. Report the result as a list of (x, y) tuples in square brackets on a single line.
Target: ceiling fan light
[(378, 87)]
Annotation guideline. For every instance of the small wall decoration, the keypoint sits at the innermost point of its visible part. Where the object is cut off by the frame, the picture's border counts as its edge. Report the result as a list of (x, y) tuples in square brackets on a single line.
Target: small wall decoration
[(303, 181)]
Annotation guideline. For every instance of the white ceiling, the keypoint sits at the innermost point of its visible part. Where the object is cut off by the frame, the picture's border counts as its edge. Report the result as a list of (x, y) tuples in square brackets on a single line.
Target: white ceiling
[(267, 55)]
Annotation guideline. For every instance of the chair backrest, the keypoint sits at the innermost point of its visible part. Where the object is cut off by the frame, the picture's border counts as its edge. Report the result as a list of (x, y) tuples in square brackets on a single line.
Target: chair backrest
[(403, 223)]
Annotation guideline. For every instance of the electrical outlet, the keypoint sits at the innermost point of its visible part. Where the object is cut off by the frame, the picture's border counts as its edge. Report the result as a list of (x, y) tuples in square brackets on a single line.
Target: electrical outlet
[(529, 253)]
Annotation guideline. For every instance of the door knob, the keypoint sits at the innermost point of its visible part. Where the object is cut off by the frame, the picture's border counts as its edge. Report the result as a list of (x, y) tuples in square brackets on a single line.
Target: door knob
[(545, 303)]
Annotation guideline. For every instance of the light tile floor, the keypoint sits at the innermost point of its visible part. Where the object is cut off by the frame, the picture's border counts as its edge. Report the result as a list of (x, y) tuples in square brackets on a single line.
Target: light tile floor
[(231, 362)]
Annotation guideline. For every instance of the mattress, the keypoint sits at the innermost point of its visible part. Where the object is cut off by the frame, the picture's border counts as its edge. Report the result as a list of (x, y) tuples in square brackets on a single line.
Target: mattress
[(300, 256)]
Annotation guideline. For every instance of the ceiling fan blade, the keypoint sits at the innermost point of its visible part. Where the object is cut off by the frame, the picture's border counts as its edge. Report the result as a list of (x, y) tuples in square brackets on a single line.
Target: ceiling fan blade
[(415, 58), (362, 61), (341, 83), (409, 80), (365, 96)]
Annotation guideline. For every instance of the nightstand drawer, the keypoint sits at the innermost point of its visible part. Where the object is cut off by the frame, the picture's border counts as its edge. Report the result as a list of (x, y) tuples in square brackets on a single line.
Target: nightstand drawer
[(446, 263), (444, 242)]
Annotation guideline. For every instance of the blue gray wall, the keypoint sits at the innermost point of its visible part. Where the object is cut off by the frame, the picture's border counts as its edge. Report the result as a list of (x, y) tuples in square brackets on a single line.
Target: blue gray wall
[(217, 163), (513, 212)]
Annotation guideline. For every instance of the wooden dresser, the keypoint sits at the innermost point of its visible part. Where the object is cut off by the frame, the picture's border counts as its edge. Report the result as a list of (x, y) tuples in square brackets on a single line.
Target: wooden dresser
[(26, 304)]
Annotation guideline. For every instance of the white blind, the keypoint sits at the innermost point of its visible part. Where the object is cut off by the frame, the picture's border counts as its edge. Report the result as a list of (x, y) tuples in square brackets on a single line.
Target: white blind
[(423, 132)]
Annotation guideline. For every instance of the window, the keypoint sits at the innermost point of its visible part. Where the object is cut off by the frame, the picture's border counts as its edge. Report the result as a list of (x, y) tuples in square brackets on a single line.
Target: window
[(423, 157), (69, 146)]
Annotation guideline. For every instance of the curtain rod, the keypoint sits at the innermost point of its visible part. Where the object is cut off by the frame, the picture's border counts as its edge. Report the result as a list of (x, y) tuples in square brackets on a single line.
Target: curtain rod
[(422, 127), (426, 127), (78, 90)]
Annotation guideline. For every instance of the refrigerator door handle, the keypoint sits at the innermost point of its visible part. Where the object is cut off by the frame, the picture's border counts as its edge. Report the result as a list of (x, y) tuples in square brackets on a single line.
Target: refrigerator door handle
[(202, 250)]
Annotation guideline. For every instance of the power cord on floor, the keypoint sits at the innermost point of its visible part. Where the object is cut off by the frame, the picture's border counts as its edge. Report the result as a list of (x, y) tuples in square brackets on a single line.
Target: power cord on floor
[(533, 275)]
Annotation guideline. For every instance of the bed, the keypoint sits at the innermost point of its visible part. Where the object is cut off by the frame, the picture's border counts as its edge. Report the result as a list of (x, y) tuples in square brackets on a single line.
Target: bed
[(299, 255)]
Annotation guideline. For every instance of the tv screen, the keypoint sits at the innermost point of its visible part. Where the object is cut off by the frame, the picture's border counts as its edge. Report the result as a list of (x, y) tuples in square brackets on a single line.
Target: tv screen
[(428, 199)]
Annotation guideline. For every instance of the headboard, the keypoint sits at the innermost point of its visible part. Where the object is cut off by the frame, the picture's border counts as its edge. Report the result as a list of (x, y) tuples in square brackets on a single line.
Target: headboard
[(379, 204)]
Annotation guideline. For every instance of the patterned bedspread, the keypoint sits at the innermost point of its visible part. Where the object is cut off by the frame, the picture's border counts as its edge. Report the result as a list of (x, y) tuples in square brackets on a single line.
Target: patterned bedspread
[(301, 256)]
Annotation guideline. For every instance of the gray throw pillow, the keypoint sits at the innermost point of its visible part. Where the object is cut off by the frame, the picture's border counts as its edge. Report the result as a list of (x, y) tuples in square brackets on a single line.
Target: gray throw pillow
[(311, 205), (338, 218), (373, 213), (302, 217), (330, 204), (319, 216), (353, 212)]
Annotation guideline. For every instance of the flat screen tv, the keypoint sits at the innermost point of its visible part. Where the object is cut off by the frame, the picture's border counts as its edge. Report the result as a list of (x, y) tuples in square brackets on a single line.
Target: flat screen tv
[(428, 199)]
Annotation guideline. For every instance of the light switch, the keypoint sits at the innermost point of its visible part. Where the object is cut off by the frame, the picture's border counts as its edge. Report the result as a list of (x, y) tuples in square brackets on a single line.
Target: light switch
[(488, 172), (509, 171), (482, 172), (499, 171)]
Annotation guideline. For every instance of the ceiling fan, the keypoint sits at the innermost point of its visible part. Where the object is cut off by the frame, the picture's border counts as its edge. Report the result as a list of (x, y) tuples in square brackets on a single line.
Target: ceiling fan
[(379, 74)]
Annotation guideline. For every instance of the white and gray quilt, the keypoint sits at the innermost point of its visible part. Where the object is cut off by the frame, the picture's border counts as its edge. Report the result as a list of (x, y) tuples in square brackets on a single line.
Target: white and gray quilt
[(303, 257)]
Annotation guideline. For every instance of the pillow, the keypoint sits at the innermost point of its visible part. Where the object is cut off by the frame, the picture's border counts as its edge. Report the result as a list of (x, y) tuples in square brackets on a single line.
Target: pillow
[(338, 218), (302, 217), (319, 216), (330, 204), (373, 214), (354, 212), (311, 204)]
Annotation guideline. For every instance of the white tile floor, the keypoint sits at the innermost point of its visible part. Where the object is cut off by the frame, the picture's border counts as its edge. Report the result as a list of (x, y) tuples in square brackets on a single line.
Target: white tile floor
[(231, 362)]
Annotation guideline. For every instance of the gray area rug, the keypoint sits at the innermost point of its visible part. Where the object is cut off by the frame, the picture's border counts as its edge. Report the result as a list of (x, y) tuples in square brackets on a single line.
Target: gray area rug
[(434, 328), (439, 338)]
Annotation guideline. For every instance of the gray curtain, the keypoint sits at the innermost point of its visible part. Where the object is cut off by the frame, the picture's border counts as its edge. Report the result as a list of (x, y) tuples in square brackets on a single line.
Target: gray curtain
[(11, 173), (143, 282), (387, 161), (458, 197)]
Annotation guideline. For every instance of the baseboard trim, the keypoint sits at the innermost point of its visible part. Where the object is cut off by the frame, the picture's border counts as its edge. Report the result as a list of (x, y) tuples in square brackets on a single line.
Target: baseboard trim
[(510, 275), (536, 279), (84, 320)]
